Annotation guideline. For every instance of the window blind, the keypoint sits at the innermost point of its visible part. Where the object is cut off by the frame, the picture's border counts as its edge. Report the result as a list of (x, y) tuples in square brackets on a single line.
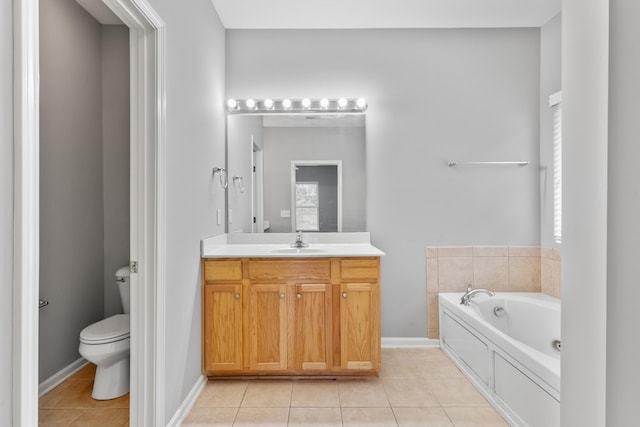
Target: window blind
[(555, 103)]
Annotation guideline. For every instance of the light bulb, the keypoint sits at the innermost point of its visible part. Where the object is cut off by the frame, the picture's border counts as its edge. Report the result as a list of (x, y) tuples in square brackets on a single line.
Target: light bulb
[(286, 104), (232, 104), (251, 104), (324, 103), (306, 103), (342, 103), (268, 104), (361, 103)]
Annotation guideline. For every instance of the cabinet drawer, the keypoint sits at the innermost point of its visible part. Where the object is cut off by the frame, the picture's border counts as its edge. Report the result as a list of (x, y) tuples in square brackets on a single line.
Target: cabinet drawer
[(298, 271), (359, 269), (222, 270)]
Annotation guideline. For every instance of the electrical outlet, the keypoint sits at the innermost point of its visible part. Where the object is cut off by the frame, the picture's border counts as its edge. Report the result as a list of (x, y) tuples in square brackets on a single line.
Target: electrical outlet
[(285, 214)]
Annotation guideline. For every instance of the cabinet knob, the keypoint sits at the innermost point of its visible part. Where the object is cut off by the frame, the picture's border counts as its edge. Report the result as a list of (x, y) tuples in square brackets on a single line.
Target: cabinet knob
[(237, 296), (282, 296), (344, 295), (299, 296)]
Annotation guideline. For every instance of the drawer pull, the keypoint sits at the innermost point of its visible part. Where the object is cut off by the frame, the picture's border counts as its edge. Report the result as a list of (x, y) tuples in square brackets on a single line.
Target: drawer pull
[(237, 296), (344, 295), (282, 296), (299, 296)]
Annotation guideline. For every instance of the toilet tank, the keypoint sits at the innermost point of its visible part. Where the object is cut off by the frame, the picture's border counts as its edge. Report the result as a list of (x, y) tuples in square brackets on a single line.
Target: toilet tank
[(123, 280)]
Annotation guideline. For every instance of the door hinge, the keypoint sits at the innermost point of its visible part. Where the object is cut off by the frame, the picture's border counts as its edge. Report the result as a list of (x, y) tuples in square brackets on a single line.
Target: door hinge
[(254, 220), (254, 169), (133, 266)]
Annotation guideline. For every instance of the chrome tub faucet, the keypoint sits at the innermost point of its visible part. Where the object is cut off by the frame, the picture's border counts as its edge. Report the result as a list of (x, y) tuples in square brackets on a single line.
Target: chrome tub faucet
[(471, 293)]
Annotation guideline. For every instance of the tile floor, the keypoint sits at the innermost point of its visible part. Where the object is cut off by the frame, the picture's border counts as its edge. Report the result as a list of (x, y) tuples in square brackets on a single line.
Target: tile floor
[(70, 404), (417, 387)]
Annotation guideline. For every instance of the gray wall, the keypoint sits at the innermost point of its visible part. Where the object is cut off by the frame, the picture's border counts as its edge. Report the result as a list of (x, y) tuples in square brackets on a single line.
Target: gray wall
[(623, 293), (195, 143), (240, 129), (434, 96), (6, 211), (550, 76), (71, 205), (84, 98), (115, 160), (284, 144)]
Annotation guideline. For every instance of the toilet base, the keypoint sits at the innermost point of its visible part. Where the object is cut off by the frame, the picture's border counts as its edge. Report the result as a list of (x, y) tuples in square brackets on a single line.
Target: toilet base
[(111, 381)]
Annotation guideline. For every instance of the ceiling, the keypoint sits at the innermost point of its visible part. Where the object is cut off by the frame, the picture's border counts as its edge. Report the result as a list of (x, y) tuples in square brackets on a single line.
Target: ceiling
[(331, 14)]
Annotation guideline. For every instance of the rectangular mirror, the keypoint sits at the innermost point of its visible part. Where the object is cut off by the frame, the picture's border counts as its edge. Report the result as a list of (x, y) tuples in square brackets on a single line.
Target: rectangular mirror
[(296, 172)]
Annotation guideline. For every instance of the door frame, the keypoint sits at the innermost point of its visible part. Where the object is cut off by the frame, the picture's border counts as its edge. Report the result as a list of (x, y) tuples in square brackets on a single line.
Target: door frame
[(148, 231), (257, 187), (294, 164)]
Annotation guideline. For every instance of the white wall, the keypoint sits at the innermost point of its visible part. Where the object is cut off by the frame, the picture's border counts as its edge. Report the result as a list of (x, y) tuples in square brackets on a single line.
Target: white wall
[(550, 76), (6, 211), (585, 79), (195, 143), (115, 158), (623, 245), (434, 96), (71, 204)]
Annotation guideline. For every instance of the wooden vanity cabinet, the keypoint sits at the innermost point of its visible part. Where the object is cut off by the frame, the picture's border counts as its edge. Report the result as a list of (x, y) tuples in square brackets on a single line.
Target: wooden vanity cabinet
[(360, 314), (268, 327), (312, 327), (311, 316), (222, 323)]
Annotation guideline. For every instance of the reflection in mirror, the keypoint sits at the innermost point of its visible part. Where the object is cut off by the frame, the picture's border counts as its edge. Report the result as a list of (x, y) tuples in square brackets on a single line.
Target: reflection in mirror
[(299, 172), (316, 192)]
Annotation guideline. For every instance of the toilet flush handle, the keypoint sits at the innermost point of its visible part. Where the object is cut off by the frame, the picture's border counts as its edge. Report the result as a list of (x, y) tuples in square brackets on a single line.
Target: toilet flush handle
[(120, 279)]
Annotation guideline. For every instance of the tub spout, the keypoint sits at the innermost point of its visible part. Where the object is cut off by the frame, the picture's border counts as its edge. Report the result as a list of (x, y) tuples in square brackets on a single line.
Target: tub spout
[(471, 293)]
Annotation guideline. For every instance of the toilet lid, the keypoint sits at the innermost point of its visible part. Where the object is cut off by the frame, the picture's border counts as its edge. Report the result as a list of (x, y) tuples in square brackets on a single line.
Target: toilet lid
[(111, 329)]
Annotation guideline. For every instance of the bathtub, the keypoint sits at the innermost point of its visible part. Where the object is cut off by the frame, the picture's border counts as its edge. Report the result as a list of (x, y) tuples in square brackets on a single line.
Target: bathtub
[(509, 346)]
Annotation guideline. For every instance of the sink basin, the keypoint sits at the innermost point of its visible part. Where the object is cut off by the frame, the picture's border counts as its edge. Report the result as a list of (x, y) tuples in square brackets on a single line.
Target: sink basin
[(298, 251)]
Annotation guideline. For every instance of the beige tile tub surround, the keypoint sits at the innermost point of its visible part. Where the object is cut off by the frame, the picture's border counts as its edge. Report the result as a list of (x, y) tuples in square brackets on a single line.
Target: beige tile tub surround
[(499, 268), (550, 262)]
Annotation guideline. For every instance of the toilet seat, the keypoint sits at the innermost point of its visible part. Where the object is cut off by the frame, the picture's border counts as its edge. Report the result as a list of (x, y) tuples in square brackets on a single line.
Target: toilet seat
[(111, 329)]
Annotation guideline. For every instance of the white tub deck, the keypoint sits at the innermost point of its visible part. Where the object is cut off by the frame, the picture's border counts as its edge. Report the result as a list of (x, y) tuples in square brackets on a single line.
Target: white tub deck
[(511, 358)]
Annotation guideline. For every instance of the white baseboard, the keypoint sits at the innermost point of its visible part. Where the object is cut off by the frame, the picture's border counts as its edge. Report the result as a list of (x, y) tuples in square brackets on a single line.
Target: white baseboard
[(187, 404), (409, 342), (57, 378)]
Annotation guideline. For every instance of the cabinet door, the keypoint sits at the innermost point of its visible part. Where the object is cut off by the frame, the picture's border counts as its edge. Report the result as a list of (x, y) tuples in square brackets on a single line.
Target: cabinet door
[(359, 326), (312, 335), (222, 327), (268, 327)]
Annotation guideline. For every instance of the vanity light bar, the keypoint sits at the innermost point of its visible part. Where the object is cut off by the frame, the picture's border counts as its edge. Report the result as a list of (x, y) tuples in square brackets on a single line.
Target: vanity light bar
[(293, 106)]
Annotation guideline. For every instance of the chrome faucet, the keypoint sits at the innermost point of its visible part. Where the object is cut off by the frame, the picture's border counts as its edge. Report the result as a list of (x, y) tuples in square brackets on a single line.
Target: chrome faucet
[(471, 293), (299, 243)]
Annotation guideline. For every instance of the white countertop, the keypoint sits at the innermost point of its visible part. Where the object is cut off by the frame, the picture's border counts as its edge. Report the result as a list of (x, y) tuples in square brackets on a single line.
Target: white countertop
[(273, 245)]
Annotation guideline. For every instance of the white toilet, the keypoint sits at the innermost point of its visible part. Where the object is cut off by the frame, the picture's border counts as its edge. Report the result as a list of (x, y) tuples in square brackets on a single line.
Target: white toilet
[(106, 344)]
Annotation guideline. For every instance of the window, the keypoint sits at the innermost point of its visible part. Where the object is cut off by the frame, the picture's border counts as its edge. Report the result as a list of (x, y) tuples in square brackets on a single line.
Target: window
[(307, 206), (555, 103)]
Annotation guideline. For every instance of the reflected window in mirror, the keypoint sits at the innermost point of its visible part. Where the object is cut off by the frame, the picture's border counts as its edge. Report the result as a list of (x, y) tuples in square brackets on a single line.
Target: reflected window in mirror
[(307, 206)]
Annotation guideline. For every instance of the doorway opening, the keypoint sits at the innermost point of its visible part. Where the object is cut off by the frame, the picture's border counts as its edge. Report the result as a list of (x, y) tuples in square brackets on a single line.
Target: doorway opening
[(147, 219), (316, 195)]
